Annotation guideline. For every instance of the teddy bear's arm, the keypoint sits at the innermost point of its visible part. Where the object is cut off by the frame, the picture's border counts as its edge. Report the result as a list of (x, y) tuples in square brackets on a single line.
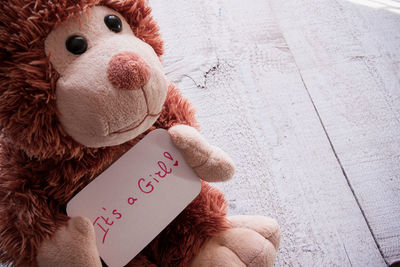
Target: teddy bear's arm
[(30, 227), (25, 222), (72, 245), (209, 162)]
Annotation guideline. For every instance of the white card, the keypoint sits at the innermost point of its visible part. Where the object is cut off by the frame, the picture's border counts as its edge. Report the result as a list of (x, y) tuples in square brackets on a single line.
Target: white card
[(132, 201)]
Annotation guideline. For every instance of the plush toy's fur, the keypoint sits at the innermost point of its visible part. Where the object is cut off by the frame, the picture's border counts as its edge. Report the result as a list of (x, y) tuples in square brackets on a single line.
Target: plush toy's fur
[(41, 167)]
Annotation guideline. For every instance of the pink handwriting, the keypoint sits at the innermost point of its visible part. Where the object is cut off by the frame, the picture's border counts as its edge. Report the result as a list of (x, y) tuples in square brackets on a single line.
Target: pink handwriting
[(103, 223), (168, 156), (132, 200), (145, 186), (117, 214), (102, 228)]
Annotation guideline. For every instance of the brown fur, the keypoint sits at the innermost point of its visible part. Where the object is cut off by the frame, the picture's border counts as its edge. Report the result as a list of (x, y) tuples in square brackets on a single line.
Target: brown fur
[(42, 168)]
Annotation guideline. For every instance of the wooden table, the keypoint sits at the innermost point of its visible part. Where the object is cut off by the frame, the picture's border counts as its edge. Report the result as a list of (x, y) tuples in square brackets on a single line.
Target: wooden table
[(305, 96)]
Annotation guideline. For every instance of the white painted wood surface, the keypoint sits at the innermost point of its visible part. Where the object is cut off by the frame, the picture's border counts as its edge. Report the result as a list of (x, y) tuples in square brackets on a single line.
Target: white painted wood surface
[(304, 95), (348, 55)]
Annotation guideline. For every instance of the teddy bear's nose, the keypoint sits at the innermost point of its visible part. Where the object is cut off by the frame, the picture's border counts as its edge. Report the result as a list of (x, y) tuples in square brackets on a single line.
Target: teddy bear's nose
[(127, 70)]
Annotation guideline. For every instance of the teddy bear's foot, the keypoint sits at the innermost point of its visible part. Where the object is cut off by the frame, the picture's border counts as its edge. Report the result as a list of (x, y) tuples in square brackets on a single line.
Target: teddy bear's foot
[(267, 227), (253, 241)]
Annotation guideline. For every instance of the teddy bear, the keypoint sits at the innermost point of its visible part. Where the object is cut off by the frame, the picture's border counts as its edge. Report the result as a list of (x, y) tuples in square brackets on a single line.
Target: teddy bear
[(81, 82)]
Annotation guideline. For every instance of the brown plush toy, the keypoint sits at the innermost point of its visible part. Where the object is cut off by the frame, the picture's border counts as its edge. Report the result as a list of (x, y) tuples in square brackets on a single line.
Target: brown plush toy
[(80, 84)]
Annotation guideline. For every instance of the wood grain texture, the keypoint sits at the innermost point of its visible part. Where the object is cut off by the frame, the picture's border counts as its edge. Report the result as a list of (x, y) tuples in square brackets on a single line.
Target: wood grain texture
[(348, 56), (233, 62)]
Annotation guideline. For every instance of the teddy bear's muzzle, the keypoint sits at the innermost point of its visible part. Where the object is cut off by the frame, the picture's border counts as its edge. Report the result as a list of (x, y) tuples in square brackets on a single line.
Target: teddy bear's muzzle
[(128, 71)]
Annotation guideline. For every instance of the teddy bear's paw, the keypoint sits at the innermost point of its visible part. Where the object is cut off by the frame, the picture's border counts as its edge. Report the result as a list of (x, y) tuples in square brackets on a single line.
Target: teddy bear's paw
[(209, 162), (189, 141), (71, 245), (247, 244), (219, 166)]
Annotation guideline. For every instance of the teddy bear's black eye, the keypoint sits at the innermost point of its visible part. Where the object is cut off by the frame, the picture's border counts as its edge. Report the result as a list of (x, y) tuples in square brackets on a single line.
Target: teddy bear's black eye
[(113, 23), (77, 45)]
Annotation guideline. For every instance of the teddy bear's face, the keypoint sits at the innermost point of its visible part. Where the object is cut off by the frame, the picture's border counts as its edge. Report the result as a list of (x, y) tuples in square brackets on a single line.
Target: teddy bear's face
[(111, 86)]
